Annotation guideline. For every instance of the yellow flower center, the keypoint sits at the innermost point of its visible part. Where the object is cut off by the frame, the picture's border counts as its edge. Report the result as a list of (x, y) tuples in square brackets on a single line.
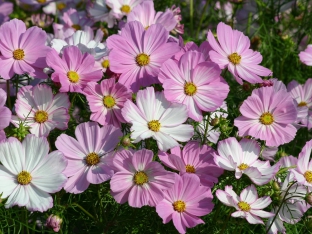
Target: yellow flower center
[(41, 1), (41, 116), (24, 178), (243, 166), (125, 8), (146, 27), (308, 176), (105, 63), (92, 159), (266, 118), (179, 206), (18, 54), (76, 26), (154, 125), (190, 89), (60, 6), (109, 101), (302, 104), (73, 76), (190, 169), (244, 206), (140, 178), (142, 59), (234, 58)]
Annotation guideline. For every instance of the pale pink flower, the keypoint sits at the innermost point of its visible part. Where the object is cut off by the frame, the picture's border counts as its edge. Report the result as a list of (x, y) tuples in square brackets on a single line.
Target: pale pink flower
[(179, 28), (306, 56), (184, 202), (232, 52), (138, 54), (106, 101), (242, 157), (74, 70), (5, 117), (22, 51), (204, 48), (6, 8), (74, 19), (122, 8), (268, 115), (29, 173), (248, 205), (54, 222), (195, 159), (268, 153), (155, 117), (88, 158), (99, 11), (193, 82), (138, 179), (42, 111)]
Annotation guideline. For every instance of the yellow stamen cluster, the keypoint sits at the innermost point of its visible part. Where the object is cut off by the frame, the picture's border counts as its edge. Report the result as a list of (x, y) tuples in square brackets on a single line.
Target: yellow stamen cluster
[(76, 26), (109, 101), (179, 206), (190, 169), (235, 58), (105, 63), (41, 1), (24, 178), (154, 125), (243, 166), (302, 104), (308, 176), (73, 76), (60, 6), (92, 159), (266, 118), (41, 116), (190, 88), (125, 8), (18, 54), (142, 59), (140, 178), (244, 206)]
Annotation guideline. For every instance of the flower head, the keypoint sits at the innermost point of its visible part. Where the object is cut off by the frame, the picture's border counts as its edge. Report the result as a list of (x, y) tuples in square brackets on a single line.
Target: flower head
[(54, 222), (122, 8), (233, 52), (306, 56), (29, 173)]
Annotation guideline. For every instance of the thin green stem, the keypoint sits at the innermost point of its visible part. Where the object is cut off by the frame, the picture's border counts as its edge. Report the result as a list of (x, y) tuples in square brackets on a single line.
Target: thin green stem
[(206, 130), (191, 15), (202, 16), (86, 212)]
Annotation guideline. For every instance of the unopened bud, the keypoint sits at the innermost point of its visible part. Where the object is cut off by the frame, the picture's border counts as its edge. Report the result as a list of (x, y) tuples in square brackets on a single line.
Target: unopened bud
[(126, 141), (308, 199), (246, 86), (276, 186), (54, 222), (215, 122)]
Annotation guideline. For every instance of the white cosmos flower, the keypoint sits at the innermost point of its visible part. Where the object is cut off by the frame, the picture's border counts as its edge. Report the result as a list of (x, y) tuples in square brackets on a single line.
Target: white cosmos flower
[(154, 116), (29, 173)]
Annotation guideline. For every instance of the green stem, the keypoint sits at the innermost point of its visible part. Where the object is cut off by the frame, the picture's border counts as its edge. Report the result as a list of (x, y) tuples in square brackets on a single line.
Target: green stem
[(8, 94), (191, 15), (206, 130), (86, 212), (201, 18)]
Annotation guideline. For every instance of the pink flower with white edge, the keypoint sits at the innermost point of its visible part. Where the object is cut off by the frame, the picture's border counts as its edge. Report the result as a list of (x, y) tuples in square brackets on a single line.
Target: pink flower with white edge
[(22, 51), (122, 8), (29, 173), (268, 115), (232, 52), (147, 16), (195, 159), (6, 114), (303, 171), (139, 180), (74, 70), (185, 202), (153, 116), (138, 54), (306, 56), (242, 157), (194, 82), (88, 158), (42, 111), (106, 101), (248, 205)]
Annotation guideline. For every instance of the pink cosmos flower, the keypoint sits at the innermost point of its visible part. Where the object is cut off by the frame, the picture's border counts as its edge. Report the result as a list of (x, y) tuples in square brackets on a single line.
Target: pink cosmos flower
[(306, 56), (22, 51), (242, 157), (6, 114), (248, 205), (88, 160), (268, 115), (232, 52), (179, 28), (184, 202), (147, 16), (195, 83), (74, 70), (42, 111), (106, 101), (138, 179), (154, 116), (6, 8), (122, 8), (29, 173), (138, 54), (195, 159), (303, 171), (74, 19), (204, 48)]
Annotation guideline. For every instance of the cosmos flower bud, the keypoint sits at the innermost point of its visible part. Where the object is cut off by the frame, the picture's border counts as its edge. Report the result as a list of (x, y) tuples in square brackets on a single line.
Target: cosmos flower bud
[(54, 222)]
